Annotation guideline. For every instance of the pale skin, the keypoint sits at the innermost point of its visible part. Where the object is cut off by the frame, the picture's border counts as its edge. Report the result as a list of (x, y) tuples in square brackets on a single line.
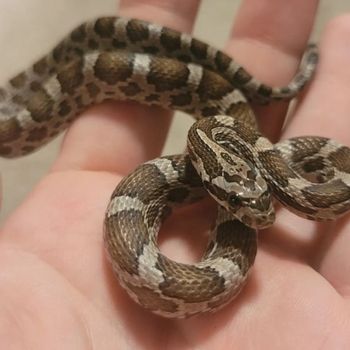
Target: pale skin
[(57, 290)]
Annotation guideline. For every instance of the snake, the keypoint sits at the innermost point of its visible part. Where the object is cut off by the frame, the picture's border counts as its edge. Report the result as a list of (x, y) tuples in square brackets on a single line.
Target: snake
[(227, 158)]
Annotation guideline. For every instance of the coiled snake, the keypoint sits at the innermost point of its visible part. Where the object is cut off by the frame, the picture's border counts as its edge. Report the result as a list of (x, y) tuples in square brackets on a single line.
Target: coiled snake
[(128, 59)]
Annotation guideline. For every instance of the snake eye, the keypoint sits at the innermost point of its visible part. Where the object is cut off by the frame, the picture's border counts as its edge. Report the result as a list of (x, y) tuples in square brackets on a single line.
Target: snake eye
[(234, 200)]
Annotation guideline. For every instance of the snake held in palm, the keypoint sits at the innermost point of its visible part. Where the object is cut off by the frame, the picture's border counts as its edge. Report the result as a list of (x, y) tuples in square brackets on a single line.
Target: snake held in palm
[(227, 158)]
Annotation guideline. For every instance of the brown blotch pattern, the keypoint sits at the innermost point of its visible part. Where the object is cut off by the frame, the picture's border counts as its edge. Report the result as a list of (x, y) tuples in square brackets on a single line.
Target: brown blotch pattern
[(166, 74), (118, 44), (150, 49), (37, 134), (187, 174), (40, 67), (199, 49), (93, 44), (178, 195), (181, 100), (243, 112), (18, 99), (236, 242), (201, 283), (79, 102), (152, 98), (137, 30), (71, 77), (210, 111), (40, 106), (77, 51), (222, 61), (276, 167), (241, 77), (79, 34), (213, 86), (132, 89), (58, 52), (184, 58), (146, 183), (5, 151), (64, 109), (170, 39), (113, 68), (313, 165), (10, 130), (340, 159), (35, 86), (19, 80), (305, 147), (246, 132), (104, 27), (326, 194), (151, 300), (264, 90)]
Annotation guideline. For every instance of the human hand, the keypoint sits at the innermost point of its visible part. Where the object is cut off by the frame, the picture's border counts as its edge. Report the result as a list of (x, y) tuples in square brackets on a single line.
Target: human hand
[(57, 289)]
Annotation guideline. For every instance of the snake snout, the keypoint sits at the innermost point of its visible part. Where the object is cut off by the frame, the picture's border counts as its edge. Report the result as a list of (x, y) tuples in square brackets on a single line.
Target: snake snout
[(265, 220), (258, 221), (257, 213)]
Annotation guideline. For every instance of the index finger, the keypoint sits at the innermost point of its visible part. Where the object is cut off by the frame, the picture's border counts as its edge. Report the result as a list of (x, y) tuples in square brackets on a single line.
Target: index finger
[(268, 39)]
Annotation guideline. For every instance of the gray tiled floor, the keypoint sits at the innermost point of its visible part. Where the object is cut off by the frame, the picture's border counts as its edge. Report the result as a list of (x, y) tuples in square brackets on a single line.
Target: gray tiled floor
[(29, 28)]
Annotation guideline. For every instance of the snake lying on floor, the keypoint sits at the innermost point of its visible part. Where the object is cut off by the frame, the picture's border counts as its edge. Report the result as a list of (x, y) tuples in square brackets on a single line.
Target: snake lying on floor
[(128, 59)]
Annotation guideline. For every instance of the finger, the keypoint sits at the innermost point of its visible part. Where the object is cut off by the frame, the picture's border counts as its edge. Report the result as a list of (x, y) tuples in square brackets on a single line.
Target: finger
[(268, 38), (118, 136), (325, 111)]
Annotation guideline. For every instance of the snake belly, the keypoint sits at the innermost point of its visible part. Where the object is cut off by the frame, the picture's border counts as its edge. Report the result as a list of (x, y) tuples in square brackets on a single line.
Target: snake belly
[(128, 59)]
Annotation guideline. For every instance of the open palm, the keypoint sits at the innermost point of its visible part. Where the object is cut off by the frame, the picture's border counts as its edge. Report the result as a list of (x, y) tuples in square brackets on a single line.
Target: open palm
[(57, 290)]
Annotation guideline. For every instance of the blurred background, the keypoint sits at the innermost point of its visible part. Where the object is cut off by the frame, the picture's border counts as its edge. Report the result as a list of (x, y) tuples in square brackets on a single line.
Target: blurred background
[(30, 28)]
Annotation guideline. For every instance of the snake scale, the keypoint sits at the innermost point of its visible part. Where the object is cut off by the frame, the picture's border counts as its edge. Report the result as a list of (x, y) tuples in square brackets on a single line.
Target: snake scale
[(129, 59)]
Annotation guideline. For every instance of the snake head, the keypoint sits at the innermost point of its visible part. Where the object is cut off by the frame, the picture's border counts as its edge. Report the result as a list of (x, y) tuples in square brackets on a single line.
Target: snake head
[(251, 206), (226, 167), (253, 212)]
